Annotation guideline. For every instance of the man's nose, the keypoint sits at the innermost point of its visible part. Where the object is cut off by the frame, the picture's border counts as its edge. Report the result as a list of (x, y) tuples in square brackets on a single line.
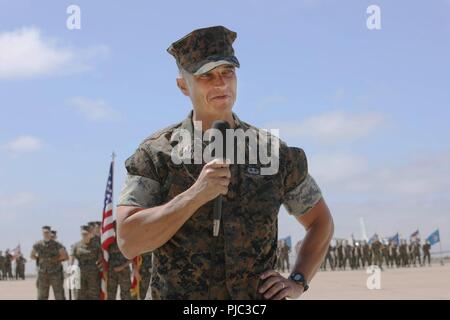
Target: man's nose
[(218, 81)]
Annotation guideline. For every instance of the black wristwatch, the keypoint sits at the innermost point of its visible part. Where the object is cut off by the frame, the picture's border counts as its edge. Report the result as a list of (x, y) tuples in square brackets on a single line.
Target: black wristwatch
[(299, 278)]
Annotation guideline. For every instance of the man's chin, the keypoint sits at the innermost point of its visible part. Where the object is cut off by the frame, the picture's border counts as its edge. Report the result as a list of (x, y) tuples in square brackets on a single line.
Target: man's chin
[(221, 108)]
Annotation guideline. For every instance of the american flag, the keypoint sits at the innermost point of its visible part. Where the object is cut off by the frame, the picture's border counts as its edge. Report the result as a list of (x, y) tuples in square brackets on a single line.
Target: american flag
[(108, 235), (414, 236), (15, 252)]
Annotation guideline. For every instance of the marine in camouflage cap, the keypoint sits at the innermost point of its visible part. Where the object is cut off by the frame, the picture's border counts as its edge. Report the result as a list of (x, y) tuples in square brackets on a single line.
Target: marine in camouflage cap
[(88, 253), (205, 49), (166, 207), (50, 254)]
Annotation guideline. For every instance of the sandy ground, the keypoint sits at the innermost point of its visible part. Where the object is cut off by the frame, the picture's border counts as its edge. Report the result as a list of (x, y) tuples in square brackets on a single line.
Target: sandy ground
[(408, 283)]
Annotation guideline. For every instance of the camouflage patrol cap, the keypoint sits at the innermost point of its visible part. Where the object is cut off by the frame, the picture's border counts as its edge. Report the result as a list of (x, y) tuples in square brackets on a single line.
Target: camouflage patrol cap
[(204, 49), (47, 228), (53, 232), (85, 229)]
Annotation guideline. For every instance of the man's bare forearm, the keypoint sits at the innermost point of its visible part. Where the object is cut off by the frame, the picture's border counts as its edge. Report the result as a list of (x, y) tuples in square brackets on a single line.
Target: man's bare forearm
[(313, 248), (148, 229)]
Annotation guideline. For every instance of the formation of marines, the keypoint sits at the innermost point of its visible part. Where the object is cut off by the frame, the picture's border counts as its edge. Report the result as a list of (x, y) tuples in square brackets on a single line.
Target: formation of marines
[(354, 255), (390, 254), (55, 266), (6, 266), (50, 256)]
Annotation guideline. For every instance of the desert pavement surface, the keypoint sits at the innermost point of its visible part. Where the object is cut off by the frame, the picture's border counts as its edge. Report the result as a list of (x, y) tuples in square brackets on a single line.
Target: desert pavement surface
[(405, 283)]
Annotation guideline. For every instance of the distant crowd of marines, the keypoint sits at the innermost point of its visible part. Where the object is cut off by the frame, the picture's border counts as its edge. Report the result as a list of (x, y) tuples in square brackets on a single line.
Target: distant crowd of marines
[(354, 255), (50, 255)]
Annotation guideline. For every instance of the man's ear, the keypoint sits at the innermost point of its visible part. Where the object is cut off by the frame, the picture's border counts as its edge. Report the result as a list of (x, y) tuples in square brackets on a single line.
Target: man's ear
[(181, 83)]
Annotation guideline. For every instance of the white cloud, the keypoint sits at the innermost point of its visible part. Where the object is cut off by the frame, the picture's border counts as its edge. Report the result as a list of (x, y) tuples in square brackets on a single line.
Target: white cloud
[(270, 101), (15, 201), (23, 144), (331, 126), (337, 167), (420, 179), (24, 53), (95, 110), (391, 198)]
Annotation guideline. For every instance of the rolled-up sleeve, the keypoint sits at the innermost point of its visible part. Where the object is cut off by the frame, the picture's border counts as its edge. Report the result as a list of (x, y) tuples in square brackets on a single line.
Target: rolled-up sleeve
[(301, 191), (142, 187)]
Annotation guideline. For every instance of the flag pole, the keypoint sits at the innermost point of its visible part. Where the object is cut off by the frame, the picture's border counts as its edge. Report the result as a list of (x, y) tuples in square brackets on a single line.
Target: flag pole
[(440, 248), (113, 157)]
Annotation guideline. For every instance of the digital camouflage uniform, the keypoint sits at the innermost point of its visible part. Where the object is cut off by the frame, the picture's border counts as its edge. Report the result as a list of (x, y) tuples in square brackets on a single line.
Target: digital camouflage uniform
[(366, 258), (403, 250), (426, 252), (145, 273), (20, 267), (49, 270), (8, 266), (118, 278), (88, 255), (284, 255), (416, 253), (2, 266), (377, 256), (193, 264), (328, 258)]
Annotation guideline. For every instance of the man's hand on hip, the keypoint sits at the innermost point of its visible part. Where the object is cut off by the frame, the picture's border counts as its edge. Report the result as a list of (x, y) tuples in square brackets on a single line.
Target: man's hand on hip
[(276, 287)]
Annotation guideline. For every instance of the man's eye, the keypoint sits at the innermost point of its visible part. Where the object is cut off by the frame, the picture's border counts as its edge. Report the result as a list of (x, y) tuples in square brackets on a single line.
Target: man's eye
[(228, 72), (205, 76)]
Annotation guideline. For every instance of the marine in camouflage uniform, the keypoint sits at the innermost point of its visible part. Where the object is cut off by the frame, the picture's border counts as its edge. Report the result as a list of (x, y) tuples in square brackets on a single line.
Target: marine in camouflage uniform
[(416, 252), (376, 247), (118, 274), (340, 254), (193, 264), (8, 265), (347, 255), (385, 254), (393, 256), (284, 253), (20, 267), (246, 245), (88, 253), (145, 273), (329, 258), (356, 253), (94, 228), (278, 255), (426, 252), (403, 251), (2, 266), (50, 253), (366, 254), (54, 236)]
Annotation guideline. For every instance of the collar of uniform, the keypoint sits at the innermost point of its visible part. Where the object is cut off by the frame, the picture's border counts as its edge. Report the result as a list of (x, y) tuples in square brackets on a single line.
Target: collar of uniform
[(187, 124)]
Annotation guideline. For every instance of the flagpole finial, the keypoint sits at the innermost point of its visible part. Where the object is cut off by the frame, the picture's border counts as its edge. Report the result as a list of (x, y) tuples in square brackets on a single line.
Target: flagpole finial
[(113, 155)]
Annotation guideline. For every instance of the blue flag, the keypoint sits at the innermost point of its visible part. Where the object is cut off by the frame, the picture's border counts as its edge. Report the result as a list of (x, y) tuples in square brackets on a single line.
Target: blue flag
[(434, 237), (374, 238), (394, 239), (288, 241)]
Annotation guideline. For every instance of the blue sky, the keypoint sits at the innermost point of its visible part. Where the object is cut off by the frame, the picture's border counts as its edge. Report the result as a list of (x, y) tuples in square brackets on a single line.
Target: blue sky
[(370, 107)]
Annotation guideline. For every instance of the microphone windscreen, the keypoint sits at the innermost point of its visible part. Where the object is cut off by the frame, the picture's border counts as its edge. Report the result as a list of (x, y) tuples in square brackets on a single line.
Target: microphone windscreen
[(222, 126)]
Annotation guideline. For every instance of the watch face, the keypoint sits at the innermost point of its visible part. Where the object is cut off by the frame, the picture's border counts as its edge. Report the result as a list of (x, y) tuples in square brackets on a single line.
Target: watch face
[(297, 277)]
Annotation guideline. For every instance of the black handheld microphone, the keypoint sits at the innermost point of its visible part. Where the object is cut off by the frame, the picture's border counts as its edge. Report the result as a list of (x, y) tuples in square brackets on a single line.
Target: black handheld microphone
[(222, 126)]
